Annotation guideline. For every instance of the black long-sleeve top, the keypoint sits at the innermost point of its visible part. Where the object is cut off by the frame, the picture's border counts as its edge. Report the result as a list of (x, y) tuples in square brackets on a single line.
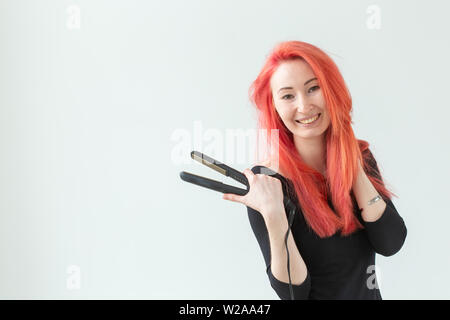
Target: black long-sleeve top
[(337, 267)]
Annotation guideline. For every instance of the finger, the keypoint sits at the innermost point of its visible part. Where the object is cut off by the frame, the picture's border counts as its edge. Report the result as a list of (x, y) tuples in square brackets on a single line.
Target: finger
[(232, 197), (249, 174)]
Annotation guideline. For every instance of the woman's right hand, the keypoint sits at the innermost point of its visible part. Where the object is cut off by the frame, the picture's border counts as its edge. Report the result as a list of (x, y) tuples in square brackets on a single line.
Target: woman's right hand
[(265, 195)]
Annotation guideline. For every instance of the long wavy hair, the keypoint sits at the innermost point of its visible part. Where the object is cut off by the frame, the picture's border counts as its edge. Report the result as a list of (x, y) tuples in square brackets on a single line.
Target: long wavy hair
[(343, 150)]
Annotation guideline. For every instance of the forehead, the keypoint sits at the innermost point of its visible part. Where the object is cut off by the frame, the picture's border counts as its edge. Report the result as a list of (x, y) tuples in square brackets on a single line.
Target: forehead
[(293, 73)]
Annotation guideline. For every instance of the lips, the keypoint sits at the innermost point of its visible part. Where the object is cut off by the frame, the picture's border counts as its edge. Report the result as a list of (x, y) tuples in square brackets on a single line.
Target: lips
[(298, 120)]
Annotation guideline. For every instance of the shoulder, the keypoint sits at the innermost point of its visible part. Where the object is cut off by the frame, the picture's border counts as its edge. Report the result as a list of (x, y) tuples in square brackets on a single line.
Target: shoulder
[(371, 163)]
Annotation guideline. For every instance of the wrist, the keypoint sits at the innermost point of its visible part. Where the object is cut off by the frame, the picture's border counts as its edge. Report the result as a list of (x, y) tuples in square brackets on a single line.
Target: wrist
[(277, 228), (275, 216)]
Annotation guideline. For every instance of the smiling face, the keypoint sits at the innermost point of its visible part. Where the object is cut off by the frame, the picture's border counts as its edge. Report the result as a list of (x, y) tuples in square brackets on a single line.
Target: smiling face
[(298, 98)]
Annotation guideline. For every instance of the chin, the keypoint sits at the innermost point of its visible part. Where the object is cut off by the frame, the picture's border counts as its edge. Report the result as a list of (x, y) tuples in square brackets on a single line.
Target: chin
[(309, 133)]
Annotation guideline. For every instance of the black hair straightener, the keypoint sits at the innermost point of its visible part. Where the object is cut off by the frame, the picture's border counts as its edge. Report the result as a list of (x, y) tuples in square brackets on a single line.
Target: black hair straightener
[(217, 185), (225, 188), (213, 184)]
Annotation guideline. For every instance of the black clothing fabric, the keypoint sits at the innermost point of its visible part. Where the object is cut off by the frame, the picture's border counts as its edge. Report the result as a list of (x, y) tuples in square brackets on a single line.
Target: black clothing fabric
[(338, 267)]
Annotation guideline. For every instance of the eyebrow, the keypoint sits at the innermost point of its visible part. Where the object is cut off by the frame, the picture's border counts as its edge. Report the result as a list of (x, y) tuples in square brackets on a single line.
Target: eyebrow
[(303, 84)]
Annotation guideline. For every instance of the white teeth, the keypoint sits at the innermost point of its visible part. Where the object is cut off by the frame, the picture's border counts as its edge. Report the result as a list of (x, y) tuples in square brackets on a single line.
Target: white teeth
[(310, 119)]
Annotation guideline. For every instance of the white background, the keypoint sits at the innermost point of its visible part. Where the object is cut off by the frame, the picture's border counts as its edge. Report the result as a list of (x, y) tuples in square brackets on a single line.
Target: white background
[(88, 114)]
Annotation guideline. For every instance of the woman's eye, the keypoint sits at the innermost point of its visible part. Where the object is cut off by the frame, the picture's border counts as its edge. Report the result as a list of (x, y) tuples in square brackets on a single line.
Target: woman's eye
[(309, 91), (313, 88)]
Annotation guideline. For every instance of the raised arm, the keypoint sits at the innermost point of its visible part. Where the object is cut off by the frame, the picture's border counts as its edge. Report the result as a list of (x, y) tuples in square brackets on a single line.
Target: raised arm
[(385, 229), (270, 237)]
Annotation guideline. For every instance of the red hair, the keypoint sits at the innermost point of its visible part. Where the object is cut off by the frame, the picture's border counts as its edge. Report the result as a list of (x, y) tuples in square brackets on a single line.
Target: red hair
[(343, 150)]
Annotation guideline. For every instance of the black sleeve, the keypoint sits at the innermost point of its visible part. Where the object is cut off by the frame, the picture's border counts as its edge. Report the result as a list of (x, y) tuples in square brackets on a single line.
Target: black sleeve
[(301, 292), (388, 233)]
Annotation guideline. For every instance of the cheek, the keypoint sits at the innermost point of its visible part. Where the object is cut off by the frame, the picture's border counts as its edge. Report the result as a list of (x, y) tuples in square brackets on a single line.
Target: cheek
[(327, 119), (284, 115)]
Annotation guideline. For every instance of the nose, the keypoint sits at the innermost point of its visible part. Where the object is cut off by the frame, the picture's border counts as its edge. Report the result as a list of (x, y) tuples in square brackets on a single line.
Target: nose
[(304, 108), (303, 105)]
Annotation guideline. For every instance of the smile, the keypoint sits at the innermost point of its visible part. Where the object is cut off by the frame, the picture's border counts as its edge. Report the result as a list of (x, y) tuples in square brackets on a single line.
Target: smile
[(310, 120)]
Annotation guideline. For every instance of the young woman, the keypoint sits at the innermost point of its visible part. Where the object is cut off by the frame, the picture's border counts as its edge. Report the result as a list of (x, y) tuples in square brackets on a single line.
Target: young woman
[(344, 213)]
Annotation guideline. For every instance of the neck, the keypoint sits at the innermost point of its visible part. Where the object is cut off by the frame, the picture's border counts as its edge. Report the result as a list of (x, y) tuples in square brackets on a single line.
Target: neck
[(312, 151)]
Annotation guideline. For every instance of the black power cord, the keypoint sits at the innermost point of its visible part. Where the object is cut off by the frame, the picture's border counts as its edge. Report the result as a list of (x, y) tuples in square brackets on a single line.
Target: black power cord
[(289, 206)]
